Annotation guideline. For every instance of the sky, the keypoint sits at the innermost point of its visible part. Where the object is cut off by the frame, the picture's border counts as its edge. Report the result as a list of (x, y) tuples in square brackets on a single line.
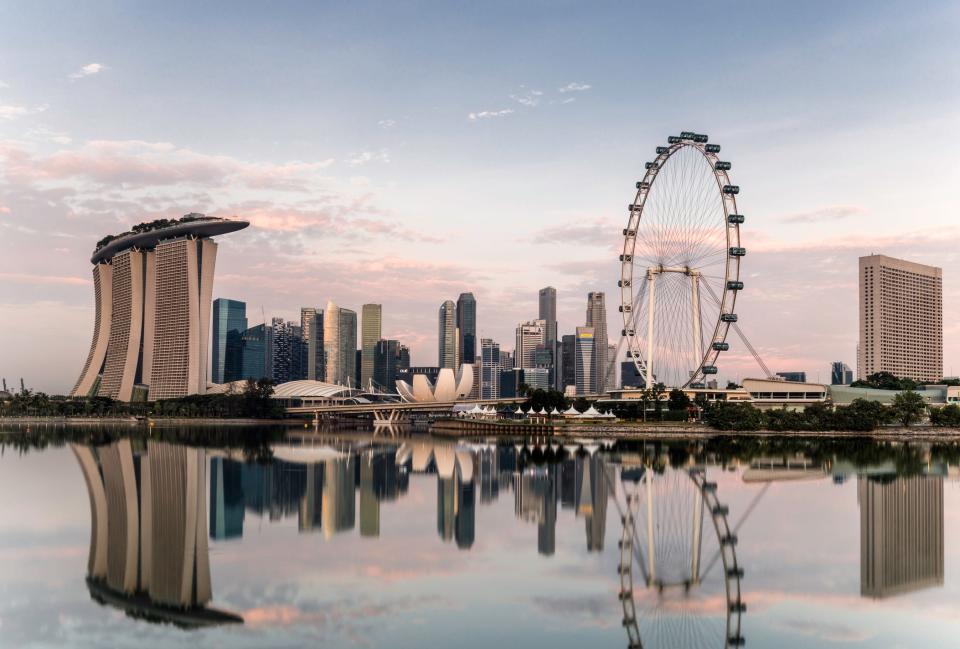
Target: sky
[(402, 153)]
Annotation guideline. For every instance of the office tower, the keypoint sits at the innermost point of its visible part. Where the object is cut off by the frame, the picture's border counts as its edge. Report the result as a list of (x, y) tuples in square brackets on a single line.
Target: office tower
[(153, 291), (386, 361), (529, 336), (467, 326), (901, 534), (597, 318), (537, 378), (311, 328), (793, 377), (510, 382), (583, 360), (340, 344), (548, 312), (289, 352), (506, 360), (404, 358), (489, 369), (611, 379), (229, 323), (840, 373), (568, 363), (257, 353), (447, 336), (370, 333), (901, 319)]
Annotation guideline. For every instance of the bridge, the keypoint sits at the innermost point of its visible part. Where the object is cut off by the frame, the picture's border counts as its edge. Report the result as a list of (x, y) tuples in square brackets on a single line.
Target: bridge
[(394, 412)]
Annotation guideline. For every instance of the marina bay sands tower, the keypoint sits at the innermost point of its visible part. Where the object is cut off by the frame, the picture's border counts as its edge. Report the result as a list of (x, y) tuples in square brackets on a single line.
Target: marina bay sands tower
[(153, 288)]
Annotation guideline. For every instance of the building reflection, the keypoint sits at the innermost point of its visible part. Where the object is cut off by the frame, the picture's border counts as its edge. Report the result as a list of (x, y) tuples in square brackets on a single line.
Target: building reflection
[(324, 494), (901, 534), (148, 538)]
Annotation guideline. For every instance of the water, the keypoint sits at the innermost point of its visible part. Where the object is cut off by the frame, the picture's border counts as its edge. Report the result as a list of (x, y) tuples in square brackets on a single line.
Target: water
[(353, 540)]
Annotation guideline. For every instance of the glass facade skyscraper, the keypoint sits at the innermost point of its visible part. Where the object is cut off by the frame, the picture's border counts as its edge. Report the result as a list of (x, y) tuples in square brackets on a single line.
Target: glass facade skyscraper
[(370, 333), (489, 369), (311, 329), (597, 320), (447, 351), (467, 326), (229, 323), (584, 359), (257, 352)]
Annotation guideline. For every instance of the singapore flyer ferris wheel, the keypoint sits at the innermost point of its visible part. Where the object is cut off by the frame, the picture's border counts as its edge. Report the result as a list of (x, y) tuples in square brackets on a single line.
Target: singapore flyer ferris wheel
[(680, 266)]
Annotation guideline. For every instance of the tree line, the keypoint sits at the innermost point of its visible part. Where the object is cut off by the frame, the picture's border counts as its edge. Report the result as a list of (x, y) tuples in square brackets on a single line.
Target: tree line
[(254, 401)]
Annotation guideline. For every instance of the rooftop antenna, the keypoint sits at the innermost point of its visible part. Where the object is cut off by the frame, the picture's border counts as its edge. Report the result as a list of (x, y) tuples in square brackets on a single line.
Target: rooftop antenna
[(4, 385)]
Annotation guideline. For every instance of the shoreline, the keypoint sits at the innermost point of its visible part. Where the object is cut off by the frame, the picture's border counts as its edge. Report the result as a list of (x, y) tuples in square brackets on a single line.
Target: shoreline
[(641, 431), (147, 421)]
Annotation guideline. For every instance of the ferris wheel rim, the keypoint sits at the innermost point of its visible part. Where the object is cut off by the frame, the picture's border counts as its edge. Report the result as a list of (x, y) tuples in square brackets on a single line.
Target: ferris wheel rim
[(727, 299), (732, 572)]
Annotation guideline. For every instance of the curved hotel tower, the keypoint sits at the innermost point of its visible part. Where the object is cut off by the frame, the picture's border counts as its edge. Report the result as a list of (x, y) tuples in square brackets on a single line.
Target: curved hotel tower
[(153, 289)]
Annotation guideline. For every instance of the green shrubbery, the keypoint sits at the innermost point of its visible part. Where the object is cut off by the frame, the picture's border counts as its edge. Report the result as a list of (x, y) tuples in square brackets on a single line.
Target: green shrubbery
[(948, 416), (859, 416)]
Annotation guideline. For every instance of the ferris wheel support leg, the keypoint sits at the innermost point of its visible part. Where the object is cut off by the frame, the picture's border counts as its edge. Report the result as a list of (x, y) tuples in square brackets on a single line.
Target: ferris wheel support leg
[(651, 298), (651, 551), (695, 318), (695, 542)]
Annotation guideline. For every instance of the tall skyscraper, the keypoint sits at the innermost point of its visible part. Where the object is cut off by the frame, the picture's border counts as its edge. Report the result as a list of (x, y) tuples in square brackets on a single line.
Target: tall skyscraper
[(447, 336), (901, 319), (597, 318), (529, 336), (311, 328), (289, 352), (584, 360), (467, 326), (840, 373), (548, 312), (229, 323), (489, 369), (568, 363), (371, 325), (340, 344), (153, 289)]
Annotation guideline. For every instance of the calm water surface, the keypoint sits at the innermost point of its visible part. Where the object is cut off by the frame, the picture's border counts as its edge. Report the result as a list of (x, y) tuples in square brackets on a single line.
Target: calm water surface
[(193, 538)]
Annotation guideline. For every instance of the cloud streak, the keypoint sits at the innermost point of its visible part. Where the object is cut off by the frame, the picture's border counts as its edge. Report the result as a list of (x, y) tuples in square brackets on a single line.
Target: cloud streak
[(824, 214), (487, 114), (574, 87), (88, 70)]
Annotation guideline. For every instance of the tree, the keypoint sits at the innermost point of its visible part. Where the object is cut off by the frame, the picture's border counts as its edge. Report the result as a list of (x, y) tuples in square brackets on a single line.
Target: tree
[(733, 415), (909, 407), (678, 400), (885, 381), (733, 385), (947, 416)]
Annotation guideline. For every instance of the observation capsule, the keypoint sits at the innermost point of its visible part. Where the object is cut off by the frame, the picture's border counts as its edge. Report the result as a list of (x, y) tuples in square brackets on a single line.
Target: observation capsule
[(643, 185), (629, 233), (720, 347), (633, 207), (626, 257), (736, 251), (662, 149), (625, 308), (735, 218), (700, 138), (624, 283), (628, 332), (728, 317), (673, 139), (709, 369), (651, 165), (712, 148), (722, 166), (731, 190), (687, 135), (733, 285)]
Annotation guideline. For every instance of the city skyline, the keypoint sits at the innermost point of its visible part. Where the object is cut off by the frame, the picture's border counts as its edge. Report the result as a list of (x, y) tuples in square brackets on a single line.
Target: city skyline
[(353, 200)]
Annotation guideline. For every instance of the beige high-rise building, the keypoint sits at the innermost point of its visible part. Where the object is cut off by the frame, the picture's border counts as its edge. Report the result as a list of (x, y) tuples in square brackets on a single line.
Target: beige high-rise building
[(370, 332), (901, 319), (153, 288)]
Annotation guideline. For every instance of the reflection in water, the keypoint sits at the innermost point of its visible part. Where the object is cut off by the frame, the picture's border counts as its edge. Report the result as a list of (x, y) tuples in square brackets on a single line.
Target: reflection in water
[(679, 572), (148, 543), (901, 534)]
